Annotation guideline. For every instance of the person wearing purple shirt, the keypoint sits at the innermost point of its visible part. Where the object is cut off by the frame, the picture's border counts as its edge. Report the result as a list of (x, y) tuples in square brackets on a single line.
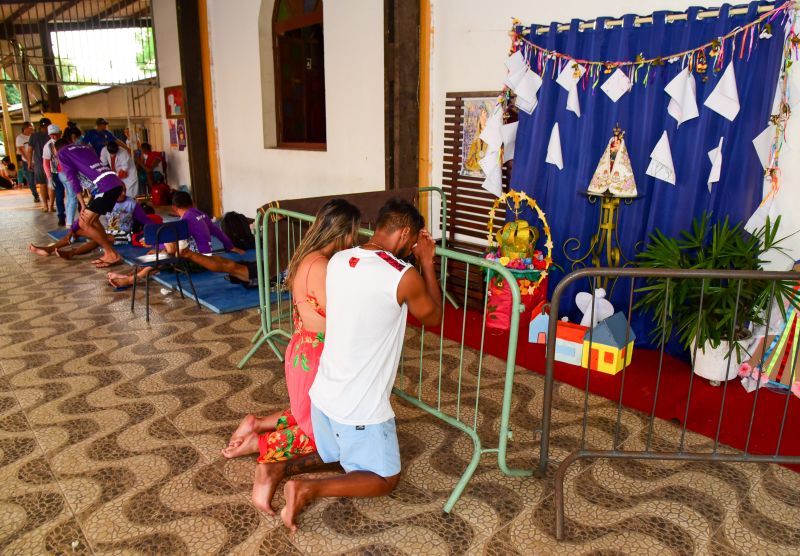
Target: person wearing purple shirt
[(201, 230), (83, 170), (127, 211)]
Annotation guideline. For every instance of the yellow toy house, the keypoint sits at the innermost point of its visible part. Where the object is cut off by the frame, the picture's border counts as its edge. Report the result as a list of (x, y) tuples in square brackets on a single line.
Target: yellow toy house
[(609, 354)]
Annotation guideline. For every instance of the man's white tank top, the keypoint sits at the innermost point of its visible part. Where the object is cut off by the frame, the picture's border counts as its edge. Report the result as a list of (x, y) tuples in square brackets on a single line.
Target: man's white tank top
[(364, 333)]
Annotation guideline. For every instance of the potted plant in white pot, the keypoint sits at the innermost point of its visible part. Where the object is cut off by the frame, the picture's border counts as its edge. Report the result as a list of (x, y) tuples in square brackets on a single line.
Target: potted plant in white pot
[(722, 327)]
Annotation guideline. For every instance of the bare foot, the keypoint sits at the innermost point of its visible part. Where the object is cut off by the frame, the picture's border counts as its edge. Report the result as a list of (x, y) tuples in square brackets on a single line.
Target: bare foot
[(38, 250), (247, 426), (119, 280), (249, 445), (267, 478), (66, 255), (297, 495)]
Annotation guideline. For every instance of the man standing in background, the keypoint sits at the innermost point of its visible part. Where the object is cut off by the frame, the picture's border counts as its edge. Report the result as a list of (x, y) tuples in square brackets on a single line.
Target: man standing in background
[(99, 137), (24, 174), (36, 142)]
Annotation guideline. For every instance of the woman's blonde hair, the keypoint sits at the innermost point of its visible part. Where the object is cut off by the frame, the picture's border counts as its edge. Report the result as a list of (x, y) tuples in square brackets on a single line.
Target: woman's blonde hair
[(336, 223)]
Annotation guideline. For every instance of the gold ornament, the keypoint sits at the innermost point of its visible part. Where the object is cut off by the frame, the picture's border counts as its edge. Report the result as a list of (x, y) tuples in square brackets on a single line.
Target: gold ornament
[(715, 44), (701, 65)]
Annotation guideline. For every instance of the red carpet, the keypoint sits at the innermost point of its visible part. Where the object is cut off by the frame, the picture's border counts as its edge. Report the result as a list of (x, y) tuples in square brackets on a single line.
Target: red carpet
[(640, 388)]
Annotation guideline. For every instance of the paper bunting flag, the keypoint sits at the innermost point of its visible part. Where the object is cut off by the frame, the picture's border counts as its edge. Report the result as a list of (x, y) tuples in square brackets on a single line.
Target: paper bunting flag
[(724, 99), (661, 166), (526, 91), (568, 78), (494, 180), (683, 97), (492, 134), (763, 145), (509, 132), (554, 155), (715, 156), (516, 69), (616, 85), (768, 208), (515, 62)]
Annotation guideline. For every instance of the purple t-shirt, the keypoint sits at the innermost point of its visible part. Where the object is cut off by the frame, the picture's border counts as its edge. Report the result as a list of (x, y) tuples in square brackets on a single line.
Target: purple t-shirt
[(83, 169), (201, 228)]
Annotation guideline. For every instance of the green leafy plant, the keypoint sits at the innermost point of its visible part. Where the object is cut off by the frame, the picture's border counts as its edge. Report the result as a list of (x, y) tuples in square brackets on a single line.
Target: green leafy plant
[(727, 305)]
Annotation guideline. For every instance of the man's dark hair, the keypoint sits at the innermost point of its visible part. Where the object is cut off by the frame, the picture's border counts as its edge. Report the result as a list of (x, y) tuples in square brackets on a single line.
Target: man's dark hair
[(61, 143), (113, 148), (399, 213), (44, 122), (26, 125), (181, 199), (146, 147), (71, 132), (6, 160)]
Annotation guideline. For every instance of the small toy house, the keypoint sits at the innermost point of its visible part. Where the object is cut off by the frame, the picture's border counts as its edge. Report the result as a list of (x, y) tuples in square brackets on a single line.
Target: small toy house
[(609, 352), (569, 336), (537, 329)]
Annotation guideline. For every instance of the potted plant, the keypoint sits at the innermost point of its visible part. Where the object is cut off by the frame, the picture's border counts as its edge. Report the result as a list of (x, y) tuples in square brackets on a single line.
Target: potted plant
[(728, 308)]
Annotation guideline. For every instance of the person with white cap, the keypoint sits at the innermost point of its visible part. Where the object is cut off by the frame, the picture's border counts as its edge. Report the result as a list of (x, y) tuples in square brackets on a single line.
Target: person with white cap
[(50, 163)]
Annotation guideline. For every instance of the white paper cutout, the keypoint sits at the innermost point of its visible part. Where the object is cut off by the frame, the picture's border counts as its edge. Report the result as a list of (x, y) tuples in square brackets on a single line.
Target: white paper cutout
[(768, 208), (512, 79), (554, 155), (724, 99), (569, 81), (526, 91), (683, 94), (661, 166), (494, 181), (492, 134), (616, 85), (515, 62), (763, 145), (715, 156), (524, 105), (509, 132), (602, 307)]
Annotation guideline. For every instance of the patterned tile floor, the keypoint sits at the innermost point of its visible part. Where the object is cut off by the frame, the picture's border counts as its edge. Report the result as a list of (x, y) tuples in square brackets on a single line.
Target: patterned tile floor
[(110, 431)]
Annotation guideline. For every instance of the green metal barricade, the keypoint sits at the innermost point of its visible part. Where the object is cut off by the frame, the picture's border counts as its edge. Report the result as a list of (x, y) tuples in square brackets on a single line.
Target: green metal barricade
[(422, 371)]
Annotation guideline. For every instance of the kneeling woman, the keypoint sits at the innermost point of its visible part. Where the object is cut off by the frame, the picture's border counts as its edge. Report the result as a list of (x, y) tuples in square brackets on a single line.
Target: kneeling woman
[(285, 436)]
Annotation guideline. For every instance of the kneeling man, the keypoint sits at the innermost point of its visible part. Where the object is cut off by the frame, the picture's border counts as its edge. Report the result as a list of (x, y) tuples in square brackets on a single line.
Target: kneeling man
[(369, 292)]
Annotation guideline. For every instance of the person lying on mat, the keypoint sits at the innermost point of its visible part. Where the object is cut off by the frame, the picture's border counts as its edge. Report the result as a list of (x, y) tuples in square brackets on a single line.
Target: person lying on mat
[(285, 440), (83, 170), (201, 230), (124, 214), (369, 291)]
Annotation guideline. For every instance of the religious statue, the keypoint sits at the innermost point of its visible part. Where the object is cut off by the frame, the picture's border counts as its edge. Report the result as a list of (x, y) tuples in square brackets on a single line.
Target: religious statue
[(614, 174)]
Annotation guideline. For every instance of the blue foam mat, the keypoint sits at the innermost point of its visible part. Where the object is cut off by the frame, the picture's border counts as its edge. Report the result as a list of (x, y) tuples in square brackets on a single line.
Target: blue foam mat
[(214, 291)]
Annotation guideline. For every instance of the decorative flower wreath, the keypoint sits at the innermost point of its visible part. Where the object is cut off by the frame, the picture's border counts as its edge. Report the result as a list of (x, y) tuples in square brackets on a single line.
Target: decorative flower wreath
[(514, 199)]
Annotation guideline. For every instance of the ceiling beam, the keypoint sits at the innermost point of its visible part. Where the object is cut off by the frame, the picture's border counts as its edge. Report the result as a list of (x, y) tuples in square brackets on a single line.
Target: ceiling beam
[(16, 13), (64, 8), (119, 6), (33, 28)]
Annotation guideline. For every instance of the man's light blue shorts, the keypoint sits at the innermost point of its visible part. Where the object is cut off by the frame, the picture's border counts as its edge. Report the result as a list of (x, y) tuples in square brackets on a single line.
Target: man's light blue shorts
[(357, 448)]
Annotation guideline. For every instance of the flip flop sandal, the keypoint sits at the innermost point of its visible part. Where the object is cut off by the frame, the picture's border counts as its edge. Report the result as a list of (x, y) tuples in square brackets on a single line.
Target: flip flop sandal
[(106, 264)]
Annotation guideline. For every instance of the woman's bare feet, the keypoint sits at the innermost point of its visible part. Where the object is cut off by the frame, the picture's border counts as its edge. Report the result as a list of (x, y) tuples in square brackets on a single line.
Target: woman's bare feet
[(297, 495), (38, 250), (247, 426), (248, 446), (267, 478)]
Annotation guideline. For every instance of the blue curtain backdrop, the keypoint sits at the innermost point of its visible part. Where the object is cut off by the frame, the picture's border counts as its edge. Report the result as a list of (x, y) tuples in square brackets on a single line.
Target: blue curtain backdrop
[(642, 113)]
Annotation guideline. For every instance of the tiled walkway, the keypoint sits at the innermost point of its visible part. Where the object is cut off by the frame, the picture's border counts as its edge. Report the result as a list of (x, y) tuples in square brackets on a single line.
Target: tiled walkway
[(110, 432)]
